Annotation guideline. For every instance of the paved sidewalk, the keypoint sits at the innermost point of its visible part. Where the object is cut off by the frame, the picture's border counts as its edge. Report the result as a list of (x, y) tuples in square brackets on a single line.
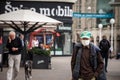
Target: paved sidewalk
[(113, 69), (61, 70)]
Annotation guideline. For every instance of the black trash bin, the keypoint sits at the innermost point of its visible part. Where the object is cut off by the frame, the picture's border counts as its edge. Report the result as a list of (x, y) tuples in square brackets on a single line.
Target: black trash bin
[(41, 61), (118, 56)]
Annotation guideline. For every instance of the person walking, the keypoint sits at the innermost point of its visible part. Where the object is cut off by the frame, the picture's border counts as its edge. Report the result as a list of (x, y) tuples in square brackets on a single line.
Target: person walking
[(14, 46), (21, 36), (22, 39), (104, 45), (86, 61)]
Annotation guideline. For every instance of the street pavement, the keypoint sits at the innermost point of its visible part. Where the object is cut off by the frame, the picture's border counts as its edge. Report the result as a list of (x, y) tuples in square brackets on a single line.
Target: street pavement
[(61, 70)]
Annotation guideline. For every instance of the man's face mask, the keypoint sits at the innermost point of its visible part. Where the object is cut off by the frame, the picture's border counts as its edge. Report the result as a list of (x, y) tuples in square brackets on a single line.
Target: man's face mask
[(85, 42)]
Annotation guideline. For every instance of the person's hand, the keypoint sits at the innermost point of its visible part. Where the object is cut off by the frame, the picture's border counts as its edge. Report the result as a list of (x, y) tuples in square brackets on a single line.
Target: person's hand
[(93, 78), (14, 49), (9, 39)]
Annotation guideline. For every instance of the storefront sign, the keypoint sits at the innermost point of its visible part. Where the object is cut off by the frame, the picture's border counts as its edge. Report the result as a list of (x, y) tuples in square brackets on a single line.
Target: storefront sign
[(60, 11), (56, 10), (65, 28)]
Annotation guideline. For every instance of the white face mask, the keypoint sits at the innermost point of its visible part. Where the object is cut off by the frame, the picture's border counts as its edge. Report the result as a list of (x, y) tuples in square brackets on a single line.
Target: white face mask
[(85, 42)]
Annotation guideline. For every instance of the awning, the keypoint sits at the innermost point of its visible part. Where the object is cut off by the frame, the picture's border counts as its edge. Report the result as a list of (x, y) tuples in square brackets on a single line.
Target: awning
[(26, 19)]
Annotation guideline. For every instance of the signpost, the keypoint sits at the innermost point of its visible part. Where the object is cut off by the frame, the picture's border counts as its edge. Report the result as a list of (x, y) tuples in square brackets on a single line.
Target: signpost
[(93, 15)]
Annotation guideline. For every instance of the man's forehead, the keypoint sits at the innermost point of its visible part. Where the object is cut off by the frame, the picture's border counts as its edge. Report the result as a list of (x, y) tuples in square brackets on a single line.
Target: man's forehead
[(85, 38), (12, 34)]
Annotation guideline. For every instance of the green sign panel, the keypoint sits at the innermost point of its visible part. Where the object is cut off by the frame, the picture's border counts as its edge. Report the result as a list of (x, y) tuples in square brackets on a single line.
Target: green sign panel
[(93, 15)]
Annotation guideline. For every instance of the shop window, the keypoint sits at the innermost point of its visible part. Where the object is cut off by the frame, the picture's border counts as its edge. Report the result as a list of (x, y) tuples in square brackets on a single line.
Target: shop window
[(40, 38), (48, 39)]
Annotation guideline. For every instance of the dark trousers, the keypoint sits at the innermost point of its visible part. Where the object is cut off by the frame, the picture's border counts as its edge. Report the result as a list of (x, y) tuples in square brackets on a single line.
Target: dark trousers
[(105, 57)]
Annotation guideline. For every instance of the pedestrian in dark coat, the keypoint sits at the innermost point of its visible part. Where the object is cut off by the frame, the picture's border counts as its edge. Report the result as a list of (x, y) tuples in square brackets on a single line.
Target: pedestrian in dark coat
[(14, 46), (105, 47), (86, 61)]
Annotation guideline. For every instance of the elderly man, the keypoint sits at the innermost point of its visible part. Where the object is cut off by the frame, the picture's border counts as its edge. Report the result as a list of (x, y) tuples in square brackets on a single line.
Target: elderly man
[(86, 62), (14, 46)]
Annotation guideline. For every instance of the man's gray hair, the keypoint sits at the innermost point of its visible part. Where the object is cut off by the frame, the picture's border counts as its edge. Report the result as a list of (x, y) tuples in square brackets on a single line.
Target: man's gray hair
[(12, 33)]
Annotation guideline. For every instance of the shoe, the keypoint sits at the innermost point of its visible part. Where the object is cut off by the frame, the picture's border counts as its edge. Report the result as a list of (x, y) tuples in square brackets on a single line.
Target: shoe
[(106, 70), (30, 77)]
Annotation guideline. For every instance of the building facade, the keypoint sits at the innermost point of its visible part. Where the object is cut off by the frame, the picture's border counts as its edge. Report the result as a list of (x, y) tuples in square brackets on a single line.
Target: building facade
[(116, 6), (91, 24), (83, 6), (60, 10)]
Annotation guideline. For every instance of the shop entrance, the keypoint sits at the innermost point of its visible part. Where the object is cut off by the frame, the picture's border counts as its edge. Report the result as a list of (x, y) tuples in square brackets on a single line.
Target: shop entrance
[(67, 44), (63, 44)]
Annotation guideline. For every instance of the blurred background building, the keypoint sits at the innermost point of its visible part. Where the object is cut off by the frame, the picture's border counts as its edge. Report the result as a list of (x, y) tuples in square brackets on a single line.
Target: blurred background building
[(92, 24), (69, 32), (116, 5), (58, 9)]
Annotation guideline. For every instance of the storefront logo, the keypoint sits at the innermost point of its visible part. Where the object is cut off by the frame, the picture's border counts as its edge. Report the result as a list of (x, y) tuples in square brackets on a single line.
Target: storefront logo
[(65, 28), (57, 11), (40, 61)]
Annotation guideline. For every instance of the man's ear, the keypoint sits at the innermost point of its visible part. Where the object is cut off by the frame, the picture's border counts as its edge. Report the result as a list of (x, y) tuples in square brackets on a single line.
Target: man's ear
[(81, 39)]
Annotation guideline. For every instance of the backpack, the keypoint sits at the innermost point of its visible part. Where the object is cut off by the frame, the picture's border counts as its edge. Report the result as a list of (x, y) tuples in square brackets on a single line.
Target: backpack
[(104, 45)]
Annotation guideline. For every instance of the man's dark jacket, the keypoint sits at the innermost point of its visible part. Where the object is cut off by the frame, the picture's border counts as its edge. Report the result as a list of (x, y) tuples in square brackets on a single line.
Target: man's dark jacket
[(94, 51), (14, 43)]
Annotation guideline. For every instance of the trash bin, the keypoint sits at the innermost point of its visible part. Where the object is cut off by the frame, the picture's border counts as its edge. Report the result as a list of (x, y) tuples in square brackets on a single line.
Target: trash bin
[(118, 56), (41, 61)]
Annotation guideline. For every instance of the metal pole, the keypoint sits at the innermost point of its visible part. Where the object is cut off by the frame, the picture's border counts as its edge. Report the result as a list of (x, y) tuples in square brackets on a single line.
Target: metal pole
[(100, 34), (54, 43), (25, 45), (100, 28), (111, 37)]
